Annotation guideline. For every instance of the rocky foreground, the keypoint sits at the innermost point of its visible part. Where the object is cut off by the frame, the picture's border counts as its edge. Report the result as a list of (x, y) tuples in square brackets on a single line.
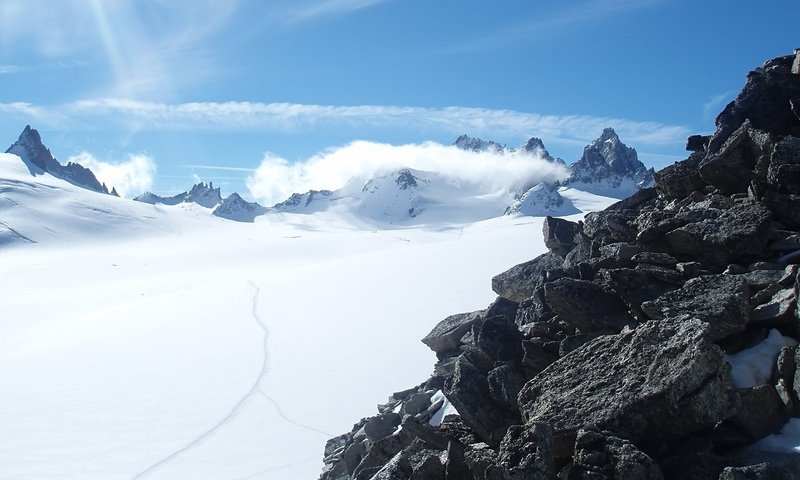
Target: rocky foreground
[(654, 340)]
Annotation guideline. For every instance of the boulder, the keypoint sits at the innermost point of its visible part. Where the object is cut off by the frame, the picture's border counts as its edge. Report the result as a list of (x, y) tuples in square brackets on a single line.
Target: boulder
[(661, 381), (586, 305), (519, 282), (446, 335), (720, 300), (602, 456), (526, 453), (559, 235), (738, 234), (468, 390)]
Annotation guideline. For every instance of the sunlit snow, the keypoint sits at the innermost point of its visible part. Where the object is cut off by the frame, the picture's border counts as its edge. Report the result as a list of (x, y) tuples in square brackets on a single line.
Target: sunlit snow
[(159, 342)]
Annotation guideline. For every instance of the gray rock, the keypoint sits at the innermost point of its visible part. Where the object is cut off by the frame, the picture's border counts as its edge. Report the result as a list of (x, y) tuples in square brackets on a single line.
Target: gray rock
[(731, 168), (446, 335), (602, 456), (586, 305), (381, 426), (519, 282), (655, 258), (778, 310), (559, 235), (720, 300), (636, 286), (526, 453), (681, 178), (658, 382), (759, 413), (697, 143), (468, 391), (737, 234)]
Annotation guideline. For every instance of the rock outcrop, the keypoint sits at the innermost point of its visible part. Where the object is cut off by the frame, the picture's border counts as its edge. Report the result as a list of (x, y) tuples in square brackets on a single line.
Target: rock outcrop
[(657, 339)]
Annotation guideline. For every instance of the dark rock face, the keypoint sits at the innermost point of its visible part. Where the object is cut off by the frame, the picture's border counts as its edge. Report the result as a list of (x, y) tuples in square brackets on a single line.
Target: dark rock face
[(662, 380), (559, 235), (605, 357), (600, 455), (38, 158), (720, 300)]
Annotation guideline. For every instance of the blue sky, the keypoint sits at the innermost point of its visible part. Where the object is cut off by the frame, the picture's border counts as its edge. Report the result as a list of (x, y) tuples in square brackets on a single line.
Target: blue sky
[(159, 93)]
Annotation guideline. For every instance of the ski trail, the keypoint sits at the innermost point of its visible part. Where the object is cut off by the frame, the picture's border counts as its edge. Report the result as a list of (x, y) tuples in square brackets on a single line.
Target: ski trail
[(234, 411), (283, 416)]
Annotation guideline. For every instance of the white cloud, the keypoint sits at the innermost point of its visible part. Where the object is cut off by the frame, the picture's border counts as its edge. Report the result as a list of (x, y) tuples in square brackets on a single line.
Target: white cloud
[(130, 177), (277, 178), (580, 129)]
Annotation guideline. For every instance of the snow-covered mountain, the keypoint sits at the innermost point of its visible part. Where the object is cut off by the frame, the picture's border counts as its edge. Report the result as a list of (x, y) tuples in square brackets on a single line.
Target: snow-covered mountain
[(234, 207), (203, 194), (542, 200), (608, 166), (408, 196), (39, 160)]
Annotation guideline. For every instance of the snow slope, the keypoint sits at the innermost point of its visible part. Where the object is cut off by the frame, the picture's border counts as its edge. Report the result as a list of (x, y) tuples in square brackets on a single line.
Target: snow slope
[(160, 342)]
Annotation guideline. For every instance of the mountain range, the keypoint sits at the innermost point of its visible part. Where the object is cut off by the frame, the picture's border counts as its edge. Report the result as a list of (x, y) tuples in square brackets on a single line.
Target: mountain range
[(403, 196)]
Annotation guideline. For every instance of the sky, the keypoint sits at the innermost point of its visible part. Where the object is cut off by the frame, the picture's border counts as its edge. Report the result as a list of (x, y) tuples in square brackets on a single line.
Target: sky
[(158, 94)]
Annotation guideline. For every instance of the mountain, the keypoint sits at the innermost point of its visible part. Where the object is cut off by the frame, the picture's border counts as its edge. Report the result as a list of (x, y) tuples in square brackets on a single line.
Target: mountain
[(236, 208), (541, 200), (608, 165), (38, 159), (201, 193), (415, 196), (535, 146)]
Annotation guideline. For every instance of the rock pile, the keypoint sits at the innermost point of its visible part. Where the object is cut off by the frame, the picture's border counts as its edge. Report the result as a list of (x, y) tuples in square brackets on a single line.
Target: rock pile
[(654, 340)]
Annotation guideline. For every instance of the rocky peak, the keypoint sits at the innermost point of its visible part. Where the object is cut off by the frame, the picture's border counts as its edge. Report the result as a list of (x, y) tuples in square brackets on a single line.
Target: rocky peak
[(535, 146), (204, 194), (234, 207), (37, 157), (474, 144), (608, 162)]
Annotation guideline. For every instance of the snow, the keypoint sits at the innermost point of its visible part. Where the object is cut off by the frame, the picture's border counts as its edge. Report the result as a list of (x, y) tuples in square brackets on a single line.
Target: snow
[(160, 342), (446, 409), (785, 441), (754, 366)]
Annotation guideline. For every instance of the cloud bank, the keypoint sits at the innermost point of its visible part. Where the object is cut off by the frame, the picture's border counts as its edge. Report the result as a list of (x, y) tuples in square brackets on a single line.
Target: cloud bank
[(276, 178), (130, 177)]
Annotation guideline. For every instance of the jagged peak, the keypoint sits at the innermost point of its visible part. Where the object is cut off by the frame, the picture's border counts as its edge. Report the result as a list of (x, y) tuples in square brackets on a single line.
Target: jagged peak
[(475, 144)]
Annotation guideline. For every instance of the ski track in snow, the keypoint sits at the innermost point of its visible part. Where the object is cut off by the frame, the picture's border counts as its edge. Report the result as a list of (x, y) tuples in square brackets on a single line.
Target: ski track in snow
[(283, 416), (254, 389)]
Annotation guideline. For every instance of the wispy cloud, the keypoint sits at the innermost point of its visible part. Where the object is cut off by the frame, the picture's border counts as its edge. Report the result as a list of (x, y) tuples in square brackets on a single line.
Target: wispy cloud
[(328, 9), (298, 118), (10, 69), (712, 106), (568, 19), (142, 58)]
